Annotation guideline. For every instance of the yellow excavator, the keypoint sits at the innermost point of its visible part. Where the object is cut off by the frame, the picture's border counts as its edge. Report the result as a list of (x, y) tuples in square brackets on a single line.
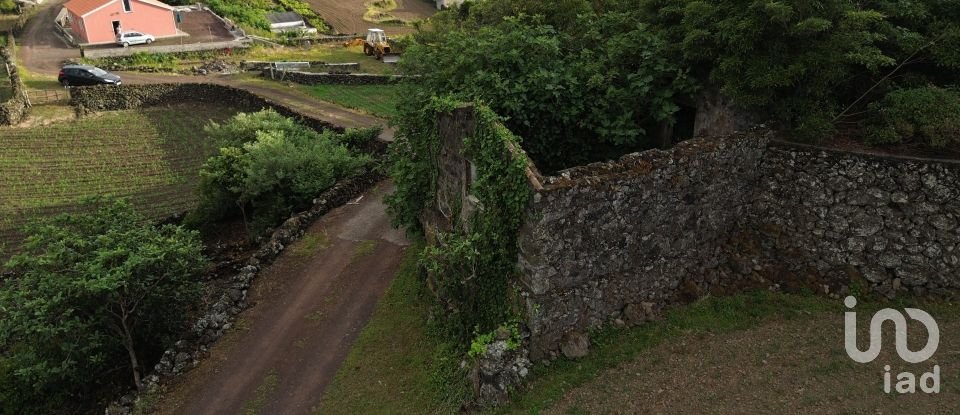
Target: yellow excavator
[(379, 45)]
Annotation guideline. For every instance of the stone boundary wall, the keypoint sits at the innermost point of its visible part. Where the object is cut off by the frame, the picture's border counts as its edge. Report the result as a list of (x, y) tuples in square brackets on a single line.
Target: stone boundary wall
[(87, 100), (620, 240), (95, 53), (826, 219), (13, 110), (312, 78)]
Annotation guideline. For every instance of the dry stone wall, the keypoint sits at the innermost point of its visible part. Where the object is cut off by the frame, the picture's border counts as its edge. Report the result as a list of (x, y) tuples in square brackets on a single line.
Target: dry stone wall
[(619, 240), (86, 100), (828, 219)]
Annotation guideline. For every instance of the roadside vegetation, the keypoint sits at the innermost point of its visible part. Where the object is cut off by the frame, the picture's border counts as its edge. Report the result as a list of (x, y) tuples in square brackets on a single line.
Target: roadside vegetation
[(398, 361), (269, 166), (94, 295), (379, 100)]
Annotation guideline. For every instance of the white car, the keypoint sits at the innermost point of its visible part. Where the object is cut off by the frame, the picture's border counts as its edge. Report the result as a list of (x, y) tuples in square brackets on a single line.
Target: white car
[(134, 38)]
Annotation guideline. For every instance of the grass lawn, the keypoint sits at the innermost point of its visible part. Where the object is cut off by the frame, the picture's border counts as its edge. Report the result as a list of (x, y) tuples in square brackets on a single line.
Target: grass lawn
[(152, 156), (379, 100), (396, 366)]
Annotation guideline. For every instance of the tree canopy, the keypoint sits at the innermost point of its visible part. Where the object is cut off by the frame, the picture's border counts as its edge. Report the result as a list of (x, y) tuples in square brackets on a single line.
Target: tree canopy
[(91, 293)]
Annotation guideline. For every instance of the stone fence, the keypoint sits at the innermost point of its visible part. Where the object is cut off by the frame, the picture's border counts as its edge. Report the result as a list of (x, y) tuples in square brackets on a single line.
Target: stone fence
[(617, 242), (825, 219), (14, 109), (86, 100), (111, 52), (312, 78)]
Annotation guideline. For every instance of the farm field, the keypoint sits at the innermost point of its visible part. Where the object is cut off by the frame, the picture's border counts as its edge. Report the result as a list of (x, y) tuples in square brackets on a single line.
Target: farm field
[(356, 16), (151, 156), (378, 100)]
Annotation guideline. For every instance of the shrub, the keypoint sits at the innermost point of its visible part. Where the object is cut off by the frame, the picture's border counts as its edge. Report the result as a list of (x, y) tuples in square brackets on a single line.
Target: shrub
[(269, 165), (930, 115), (93, 293)]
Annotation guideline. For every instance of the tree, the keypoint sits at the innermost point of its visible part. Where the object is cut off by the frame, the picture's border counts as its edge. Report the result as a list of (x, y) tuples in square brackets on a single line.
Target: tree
[(803, 63), (269, 165), (92, 290), (594, 90)]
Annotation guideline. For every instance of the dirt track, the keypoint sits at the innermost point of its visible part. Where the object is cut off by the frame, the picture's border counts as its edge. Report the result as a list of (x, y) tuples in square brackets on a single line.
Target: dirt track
[(308, 311), (307, 308)]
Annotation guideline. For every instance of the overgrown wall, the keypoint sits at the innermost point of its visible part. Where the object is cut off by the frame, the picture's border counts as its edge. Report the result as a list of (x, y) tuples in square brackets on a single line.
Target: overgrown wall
[(827, 219), (631, 235), (618, 241)]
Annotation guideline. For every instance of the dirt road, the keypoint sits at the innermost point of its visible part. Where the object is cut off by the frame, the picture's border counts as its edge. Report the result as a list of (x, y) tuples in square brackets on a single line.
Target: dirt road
[(39, 47), (309, 307)]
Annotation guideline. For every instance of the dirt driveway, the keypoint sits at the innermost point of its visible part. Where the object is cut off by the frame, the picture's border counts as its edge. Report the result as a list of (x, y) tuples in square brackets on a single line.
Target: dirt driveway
[(39, 47), (309, 306), (346, 16)]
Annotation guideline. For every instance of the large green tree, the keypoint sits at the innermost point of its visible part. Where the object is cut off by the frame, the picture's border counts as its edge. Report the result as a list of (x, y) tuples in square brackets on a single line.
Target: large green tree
[(596, 89), (269, 166), (89, 293)]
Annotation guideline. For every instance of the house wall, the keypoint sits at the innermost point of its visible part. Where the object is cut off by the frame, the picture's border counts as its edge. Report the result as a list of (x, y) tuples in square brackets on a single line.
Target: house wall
[(76, 25), (145, 18)]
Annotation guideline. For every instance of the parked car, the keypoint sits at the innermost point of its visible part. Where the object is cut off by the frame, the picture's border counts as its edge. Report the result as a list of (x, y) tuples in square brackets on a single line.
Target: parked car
[(79, 75), (134, 38)]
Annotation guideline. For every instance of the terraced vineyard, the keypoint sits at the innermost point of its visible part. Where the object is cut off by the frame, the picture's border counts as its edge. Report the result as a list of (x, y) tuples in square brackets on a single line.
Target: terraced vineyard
[(151, 156)]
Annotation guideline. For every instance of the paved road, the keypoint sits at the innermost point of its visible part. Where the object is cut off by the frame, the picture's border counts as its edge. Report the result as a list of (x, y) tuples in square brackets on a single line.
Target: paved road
[(307, 309)]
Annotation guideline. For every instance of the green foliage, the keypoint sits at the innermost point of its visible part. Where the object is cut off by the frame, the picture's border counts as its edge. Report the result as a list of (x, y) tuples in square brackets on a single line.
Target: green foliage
[(472, 266), (802, 62), (250, 13), (930, 115), (510, 331), (572, 96), (8, 6), (90, 290), (270, 166)]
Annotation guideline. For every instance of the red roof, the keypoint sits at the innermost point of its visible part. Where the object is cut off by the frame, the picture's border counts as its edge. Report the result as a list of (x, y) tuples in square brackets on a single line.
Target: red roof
[(82, 7)]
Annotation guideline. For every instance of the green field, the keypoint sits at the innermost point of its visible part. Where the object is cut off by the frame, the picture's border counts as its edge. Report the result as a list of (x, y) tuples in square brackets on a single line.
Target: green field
[(379, 100), (151, 156)]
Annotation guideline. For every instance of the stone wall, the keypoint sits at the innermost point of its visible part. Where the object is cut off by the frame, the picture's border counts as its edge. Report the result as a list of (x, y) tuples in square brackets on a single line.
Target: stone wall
[(826, 219), (313, 78), (86, 100), (619, 240)]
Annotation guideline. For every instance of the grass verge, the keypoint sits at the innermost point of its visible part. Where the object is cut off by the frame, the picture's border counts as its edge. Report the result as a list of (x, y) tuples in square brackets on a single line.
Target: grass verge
[(397, 365), (378, 100), (711, 316)]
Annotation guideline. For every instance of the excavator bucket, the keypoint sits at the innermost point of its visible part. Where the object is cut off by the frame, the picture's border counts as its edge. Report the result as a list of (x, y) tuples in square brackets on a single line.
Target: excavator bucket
[(391, 58)]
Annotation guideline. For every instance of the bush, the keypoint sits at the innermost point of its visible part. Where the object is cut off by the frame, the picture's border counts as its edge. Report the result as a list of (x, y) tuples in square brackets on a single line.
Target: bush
[(93, 295), (269, 166), (929, 115)]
